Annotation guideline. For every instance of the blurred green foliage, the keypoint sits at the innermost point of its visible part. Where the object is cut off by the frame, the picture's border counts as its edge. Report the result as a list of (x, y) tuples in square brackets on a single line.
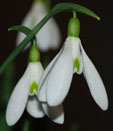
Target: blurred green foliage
[(3, 125), (6, 86), (26, 126), (75, 126), (46, 60)]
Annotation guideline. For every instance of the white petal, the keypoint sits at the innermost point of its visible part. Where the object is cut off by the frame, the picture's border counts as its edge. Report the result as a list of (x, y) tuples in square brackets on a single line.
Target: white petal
[(34, 107), (49, 36), (29, 21), (43, 79), (94, 81), (56, 114), (18, 99), (60, 77), (55, 34), (76, 52), (36, 71)]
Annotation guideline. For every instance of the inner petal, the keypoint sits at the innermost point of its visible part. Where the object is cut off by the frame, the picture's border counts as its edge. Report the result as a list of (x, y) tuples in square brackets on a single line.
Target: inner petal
[(33, 88), (77, 58), (76, 64)]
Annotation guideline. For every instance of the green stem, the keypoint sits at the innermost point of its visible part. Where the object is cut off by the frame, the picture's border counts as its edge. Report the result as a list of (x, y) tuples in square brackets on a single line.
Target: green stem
[(74, 14), (62, 7)]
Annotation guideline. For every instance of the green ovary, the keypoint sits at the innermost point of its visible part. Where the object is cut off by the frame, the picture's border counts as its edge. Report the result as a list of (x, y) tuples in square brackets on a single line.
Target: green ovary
[(33, 88), (76, 64)]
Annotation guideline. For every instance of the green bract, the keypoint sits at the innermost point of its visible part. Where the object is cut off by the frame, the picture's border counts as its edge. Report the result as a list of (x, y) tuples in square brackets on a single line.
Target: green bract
[(62, 7)]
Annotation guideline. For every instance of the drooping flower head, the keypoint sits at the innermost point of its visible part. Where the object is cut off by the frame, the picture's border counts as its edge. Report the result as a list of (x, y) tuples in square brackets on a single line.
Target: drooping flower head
[(25, 92), (56, 79), (49, 36)]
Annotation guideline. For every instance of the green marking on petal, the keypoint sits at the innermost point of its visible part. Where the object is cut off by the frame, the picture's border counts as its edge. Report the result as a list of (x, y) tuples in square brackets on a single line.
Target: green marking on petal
[(33, 88), (76, 64), (33, 21)]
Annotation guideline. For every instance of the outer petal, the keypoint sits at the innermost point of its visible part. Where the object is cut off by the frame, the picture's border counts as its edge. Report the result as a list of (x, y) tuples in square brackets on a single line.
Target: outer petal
[(18, 99), (49, 36), (34, 107), (30, 20), (56, 114), (94, 81), (55, 34), (60, 77), (43, 80)]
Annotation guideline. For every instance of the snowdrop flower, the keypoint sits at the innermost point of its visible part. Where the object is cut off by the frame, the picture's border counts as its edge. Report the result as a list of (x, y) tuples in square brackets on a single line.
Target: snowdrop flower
[(56, 80), (24, 95), (49, 36)]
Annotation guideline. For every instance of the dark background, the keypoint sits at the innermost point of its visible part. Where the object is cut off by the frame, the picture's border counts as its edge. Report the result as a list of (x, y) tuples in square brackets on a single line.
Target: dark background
[(96, 37)]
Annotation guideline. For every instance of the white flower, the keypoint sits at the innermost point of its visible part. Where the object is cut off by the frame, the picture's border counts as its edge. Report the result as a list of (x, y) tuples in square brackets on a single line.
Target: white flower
[(56, 80), (24, 95), (49, 36)]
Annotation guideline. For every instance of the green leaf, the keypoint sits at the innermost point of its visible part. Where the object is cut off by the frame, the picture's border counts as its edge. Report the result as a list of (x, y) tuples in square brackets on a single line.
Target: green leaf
[(62, 7)]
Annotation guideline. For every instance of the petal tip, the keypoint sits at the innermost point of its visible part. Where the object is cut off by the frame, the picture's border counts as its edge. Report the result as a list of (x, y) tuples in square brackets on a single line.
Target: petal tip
[(105, 106), (52, 103), (35, 115), (41, 97), (9, 121), (60, 121)]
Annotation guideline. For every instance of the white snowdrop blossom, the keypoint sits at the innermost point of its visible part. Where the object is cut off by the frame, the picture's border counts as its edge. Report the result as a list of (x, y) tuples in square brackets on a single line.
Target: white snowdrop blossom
[(24, 96), (56, 80), (49, 36)]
